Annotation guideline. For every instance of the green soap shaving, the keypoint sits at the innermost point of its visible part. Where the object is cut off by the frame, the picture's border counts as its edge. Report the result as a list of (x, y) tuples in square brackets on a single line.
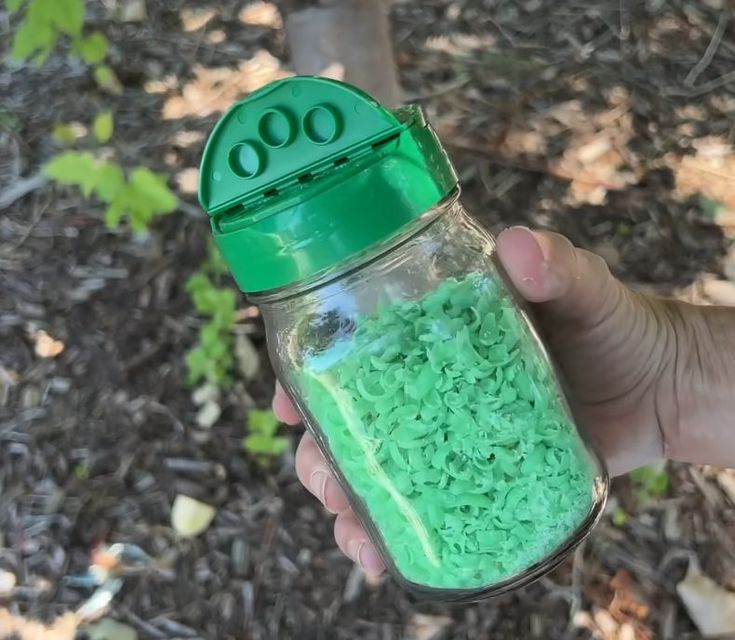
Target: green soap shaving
[(448, 424)]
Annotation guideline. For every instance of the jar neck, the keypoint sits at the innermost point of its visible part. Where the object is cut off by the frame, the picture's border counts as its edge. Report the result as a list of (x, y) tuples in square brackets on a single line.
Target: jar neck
[(445, 208)]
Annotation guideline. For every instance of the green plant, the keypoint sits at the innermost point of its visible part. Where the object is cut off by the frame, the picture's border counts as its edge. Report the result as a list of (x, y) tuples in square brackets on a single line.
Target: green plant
[(263, 441), (212, 359), (81, 471), (710, 207), (650, 482), (620, 517), (44, 22), (140, 196)]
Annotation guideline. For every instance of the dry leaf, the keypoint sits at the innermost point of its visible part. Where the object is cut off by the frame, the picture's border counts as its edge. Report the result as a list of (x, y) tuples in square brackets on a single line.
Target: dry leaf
[(215, 89), (247, 356), (627, 604), (710, 607), (189, 517), (108, 629), (425, 627), (46, 346)]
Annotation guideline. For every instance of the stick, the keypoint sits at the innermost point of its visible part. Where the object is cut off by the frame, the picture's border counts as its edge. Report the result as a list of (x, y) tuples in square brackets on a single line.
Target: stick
[(714, 43)]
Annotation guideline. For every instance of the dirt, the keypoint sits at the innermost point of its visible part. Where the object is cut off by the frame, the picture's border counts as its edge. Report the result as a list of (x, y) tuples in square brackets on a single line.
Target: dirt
[(576, 119)]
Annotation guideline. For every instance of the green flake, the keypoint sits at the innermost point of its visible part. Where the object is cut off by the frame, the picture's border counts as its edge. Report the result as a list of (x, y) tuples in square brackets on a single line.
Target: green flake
[(448, 424)]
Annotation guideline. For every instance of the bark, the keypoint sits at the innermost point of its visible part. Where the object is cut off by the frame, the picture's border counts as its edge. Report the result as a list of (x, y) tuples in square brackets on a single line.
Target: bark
[(346, 40)]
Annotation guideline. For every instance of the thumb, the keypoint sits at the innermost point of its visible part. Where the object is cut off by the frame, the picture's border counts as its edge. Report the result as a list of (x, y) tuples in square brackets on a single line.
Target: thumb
[(572, 284)]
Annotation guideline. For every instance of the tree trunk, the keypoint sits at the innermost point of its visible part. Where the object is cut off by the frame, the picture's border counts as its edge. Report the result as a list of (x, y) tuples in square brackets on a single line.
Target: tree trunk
[(346, 40)]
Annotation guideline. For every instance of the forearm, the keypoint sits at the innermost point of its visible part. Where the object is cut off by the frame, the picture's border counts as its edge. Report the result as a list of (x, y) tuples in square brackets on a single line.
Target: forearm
[(701, 424)]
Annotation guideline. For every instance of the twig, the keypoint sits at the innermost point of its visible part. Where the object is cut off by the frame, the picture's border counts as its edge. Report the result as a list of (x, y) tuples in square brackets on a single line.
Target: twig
[(148, 628), (20, 189), (695, 92), (189, 210), (27, 233), (714, 43)]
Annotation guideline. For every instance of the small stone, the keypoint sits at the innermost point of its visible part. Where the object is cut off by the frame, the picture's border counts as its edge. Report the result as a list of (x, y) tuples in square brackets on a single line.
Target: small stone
[(46, 346), (208, 414), (207, 392), (133, 11), (240, 556), (247, 356), (30, 397), (60, 385), (7, 583), (672, 529), (354, 584), (426, 627), (189, 517)]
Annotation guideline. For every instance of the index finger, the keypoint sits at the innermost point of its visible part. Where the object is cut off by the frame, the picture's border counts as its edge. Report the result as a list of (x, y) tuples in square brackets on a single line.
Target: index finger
[(283, 407)]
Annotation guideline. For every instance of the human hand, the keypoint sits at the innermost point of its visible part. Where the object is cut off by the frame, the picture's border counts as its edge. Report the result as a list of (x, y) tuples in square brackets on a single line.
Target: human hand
[(614, 347)]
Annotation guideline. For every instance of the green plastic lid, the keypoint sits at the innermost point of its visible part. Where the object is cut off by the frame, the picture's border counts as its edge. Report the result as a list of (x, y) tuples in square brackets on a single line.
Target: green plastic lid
[(307, 172)]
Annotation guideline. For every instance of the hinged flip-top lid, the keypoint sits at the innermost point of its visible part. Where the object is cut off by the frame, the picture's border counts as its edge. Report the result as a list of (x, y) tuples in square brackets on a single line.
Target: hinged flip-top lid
[(307, 171), (288, 130)]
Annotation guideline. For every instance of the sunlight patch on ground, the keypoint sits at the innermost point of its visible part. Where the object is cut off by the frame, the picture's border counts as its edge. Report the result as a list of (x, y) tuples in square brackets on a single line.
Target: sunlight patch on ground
[(262, 14), (596, 158), (63, 628), (195, 19), (187, 180), (214, 90), (217, 36), (709, 172), (459, 44), (186, 138)]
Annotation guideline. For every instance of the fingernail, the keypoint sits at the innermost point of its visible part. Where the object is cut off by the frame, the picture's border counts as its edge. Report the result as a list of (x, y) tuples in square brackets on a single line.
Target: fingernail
[(367, 557), (318, 483)]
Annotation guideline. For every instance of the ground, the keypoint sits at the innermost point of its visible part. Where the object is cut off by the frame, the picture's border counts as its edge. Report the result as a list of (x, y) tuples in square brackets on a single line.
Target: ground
[(611, 122)]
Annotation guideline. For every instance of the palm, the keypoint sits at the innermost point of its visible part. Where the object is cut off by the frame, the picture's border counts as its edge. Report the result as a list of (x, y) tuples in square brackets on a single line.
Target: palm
[(610, 364)]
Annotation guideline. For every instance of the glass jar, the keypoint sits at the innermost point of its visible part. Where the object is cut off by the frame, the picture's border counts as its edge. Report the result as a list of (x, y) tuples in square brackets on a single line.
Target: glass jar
[(415, 367)]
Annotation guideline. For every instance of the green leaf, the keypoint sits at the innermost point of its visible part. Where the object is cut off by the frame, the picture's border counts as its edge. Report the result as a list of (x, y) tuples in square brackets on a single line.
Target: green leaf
[(29, 38), (152, 188), (265, 445), (106, 80), (103, 126), (215, 263), (73, 167), (92, 49), (63, 133), (197, 365), (13, 5), (262, 421), (110, 182), (66, 15), (115, 212)]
